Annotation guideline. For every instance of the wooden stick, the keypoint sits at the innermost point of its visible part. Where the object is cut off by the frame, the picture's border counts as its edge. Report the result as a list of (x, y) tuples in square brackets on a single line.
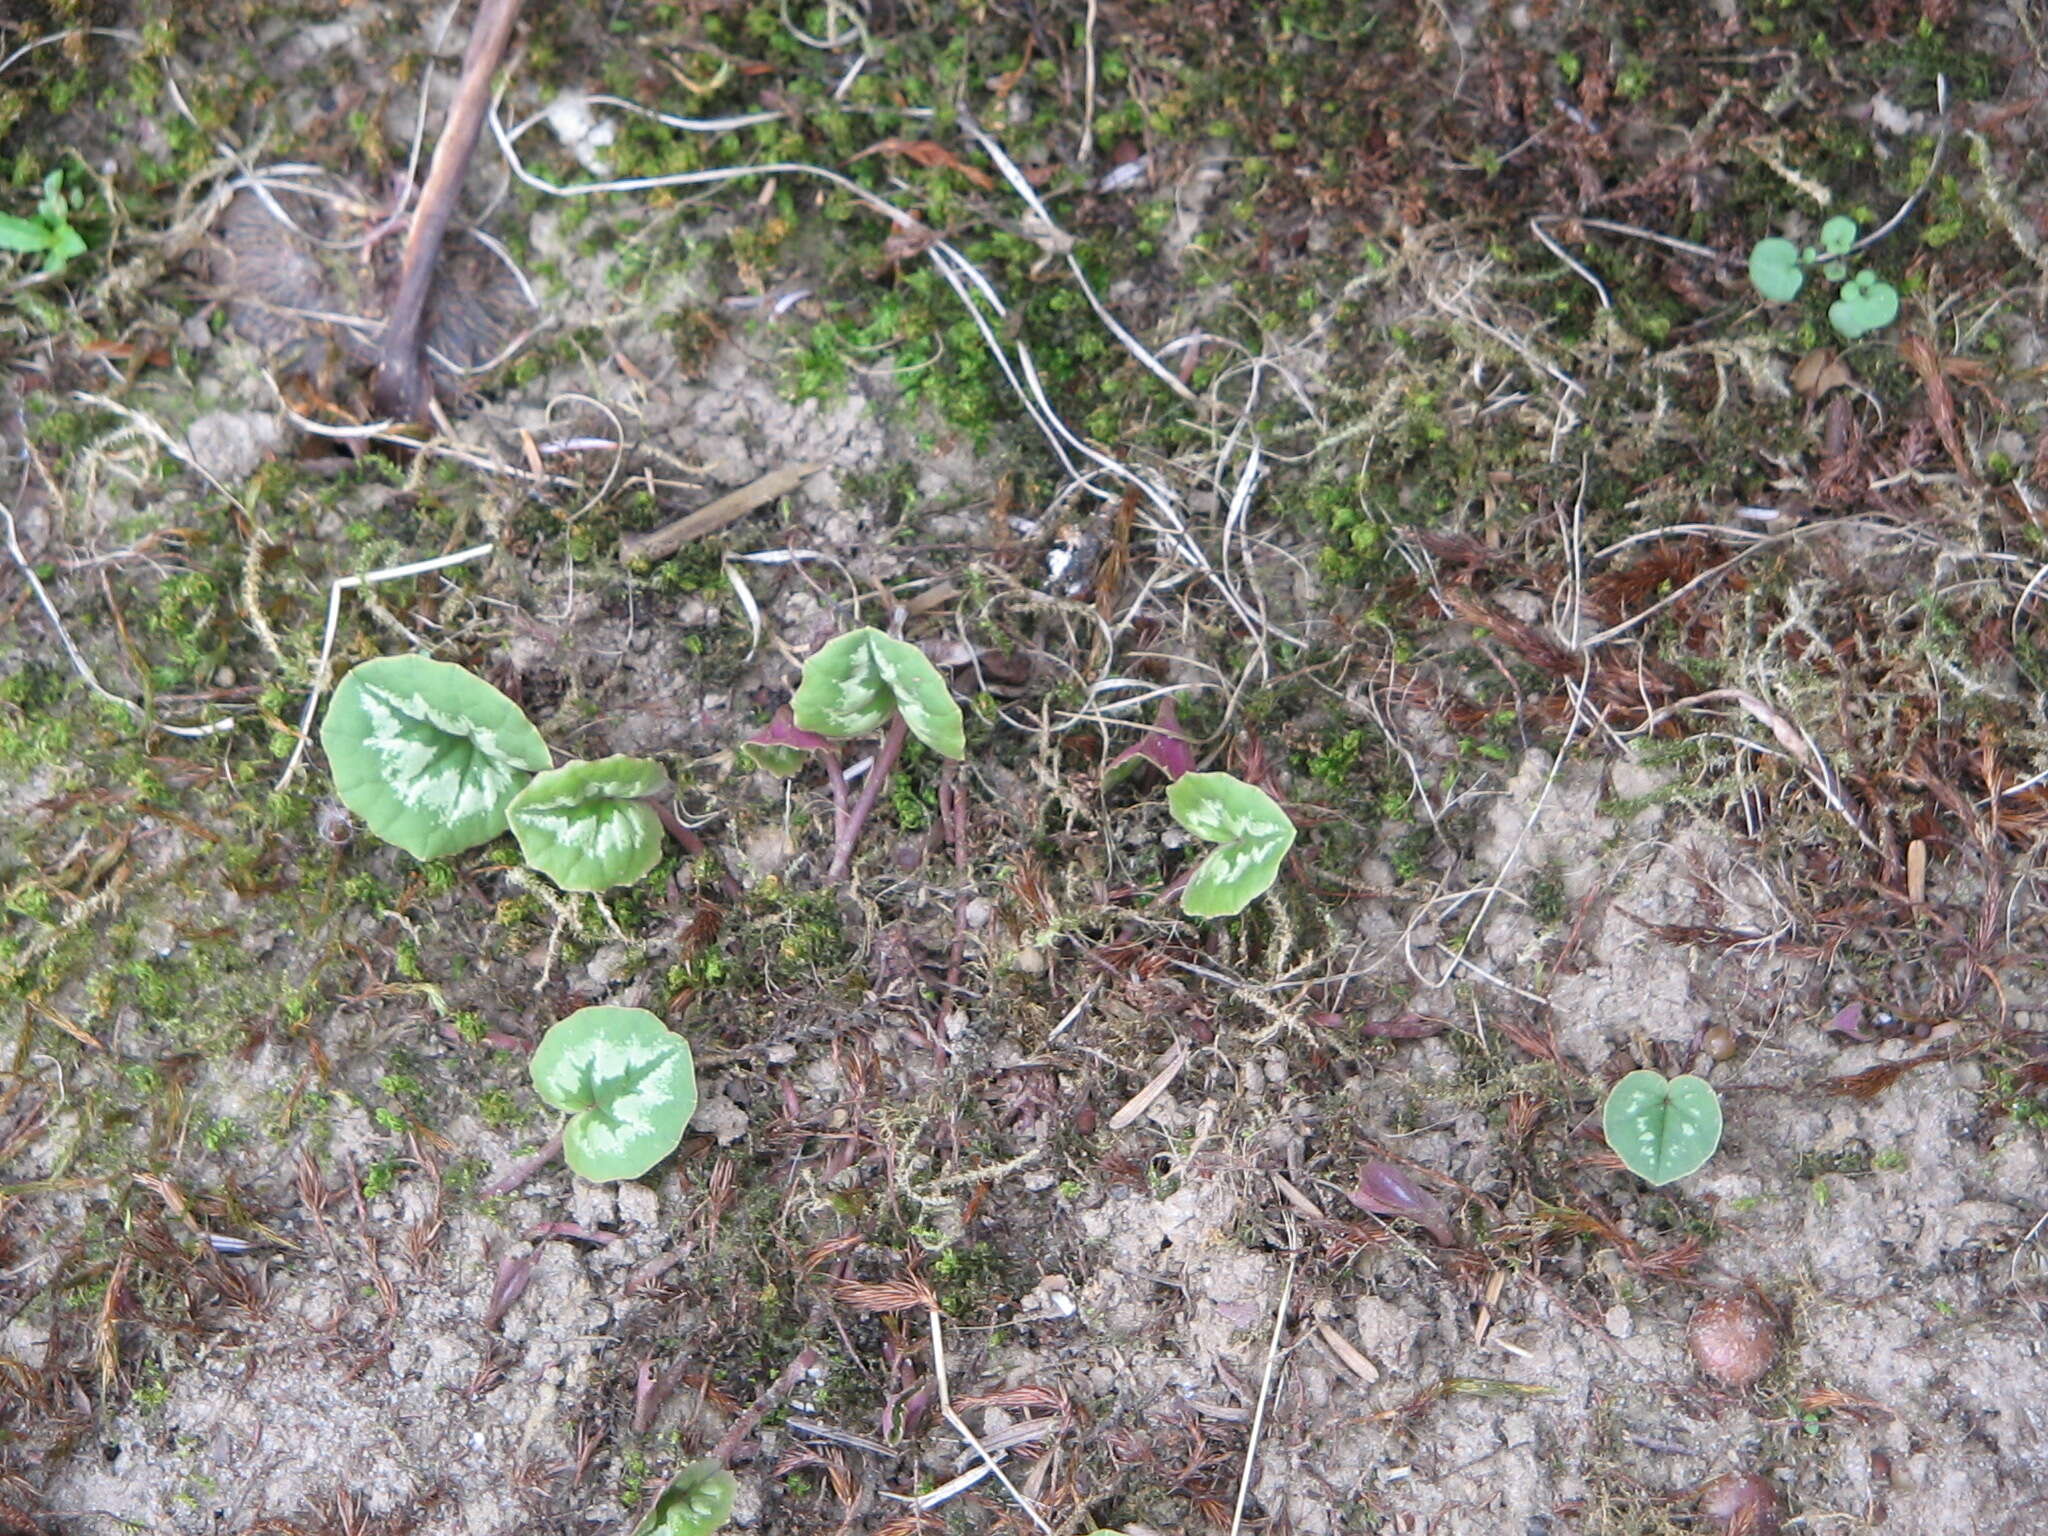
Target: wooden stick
[(401, 386), (664, 541)]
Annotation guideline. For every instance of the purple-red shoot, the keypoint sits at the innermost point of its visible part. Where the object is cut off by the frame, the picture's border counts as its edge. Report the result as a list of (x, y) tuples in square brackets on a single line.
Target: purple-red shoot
[(1384, 1190)]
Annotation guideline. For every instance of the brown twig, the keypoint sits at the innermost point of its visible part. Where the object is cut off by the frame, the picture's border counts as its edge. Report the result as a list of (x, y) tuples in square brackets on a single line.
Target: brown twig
[(520, 1172), (402, 386), (660, 543), (746, 1423)]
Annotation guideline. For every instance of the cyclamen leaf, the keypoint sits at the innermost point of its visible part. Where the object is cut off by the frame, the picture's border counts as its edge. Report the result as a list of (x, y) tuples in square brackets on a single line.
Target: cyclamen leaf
[(1838, 234), (697, 1501), (1254, 834), (427, 754), (1774, 270), (1662, 1129), (587, 826), (628, 1082), (854, 684), (1867, 304)]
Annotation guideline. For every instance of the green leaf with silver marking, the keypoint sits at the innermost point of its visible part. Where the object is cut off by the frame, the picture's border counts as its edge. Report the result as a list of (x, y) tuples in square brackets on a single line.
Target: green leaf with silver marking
[(588, 826), (1662, 1128), (853, 684), (428, 754), (627, 1081), (696, 1502), (1252, 833)]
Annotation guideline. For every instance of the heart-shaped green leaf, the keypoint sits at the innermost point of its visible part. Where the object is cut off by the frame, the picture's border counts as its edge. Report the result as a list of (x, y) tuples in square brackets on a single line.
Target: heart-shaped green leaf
[(587, 826), (1867, 304), (1663, 1129), (696, 1502), (1254, 834), (628, 1082), (855, 683), (427, 754), (1774, 270), (1837, 235)]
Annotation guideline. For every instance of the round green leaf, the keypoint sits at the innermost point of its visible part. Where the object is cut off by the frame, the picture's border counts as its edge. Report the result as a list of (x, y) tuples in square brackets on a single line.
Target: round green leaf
[(427, 754), (696, 1502), (853, 684), (1774, 270), (587, 826), (1867, 304), (1837, 235), (1254, 835), (1663, 1129), (628, 1083)]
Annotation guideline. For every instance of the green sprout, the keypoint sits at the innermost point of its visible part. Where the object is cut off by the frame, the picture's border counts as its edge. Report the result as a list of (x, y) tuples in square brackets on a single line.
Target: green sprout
[(1777, 270), (862, 681), (49, 232)]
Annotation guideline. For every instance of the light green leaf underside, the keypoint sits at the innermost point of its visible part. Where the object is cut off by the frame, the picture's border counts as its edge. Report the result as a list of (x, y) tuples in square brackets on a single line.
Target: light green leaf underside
[(587, 826), (853, 684), (427, 754), (1662, 1129), (1774, 270), (1252, 832), (628, 1082)]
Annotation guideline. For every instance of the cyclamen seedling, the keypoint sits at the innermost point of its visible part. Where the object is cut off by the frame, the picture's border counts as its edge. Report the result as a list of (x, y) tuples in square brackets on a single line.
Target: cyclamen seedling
[(1663, 1129), (436, 760), (696, 1502), (853, 685), (1777, 270), (1254, 835), (627, 1081)]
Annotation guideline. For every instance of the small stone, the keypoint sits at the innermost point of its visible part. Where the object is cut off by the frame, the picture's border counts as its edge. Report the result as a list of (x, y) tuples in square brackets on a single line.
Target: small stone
[(639, 1206), (232, 445), (1619, 1321)]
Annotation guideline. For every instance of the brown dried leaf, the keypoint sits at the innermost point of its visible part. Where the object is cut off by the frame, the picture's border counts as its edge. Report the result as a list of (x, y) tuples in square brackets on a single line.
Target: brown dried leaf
[(1820, 371)]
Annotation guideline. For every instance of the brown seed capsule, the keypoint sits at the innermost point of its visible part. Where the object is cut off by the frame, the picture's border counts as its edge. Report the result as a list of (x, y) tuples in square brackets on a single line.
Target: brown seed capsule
[(1734, 1337), (1719, 1042), (1741, 1504), (333, 823)]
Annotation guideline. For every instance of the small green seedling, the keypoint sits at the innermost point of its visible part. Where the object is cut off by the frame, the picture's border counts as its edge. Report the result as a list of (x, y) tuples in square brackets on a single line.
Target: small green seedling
[(49, 233), (1777, 270), (589, 826), (627, 1081), (696, 1502), (1254, 835), (1662, 1128), (1866, 305), (436, 760), (853, 685)]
